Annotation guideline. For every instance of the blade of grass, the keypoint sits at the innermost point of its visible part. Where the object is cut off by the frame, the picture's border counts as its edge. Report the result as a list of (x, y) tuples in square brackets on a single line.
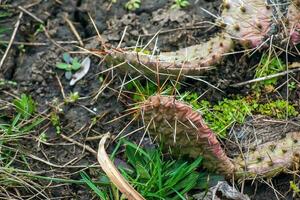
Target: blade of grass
[(89, 182)]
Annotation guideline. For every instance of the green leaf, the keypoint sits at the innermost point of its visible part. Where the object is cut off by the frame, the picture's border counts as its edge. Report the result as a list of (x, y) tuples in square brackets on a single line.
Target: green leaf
[(76, 66), (68, 75), (64, 66), (32, 125), (67, 58), (156, 178), (185, 3), (25, 106), (142, 171), (89, 182), (5, 14)]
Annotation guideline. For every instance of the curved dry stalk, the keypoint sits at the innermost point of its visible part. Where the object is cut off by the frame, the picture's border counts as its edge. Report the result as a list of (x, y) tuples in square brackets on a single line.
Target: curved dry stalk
[(113, 174), (183, 130)]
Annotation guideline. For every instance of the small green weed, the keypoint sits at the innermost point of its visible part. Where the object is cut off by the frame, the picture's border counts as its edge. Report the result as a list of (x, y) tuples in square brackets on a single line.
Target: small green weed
[(3, 30), (25, 106), (132, 5), (144, 51), (72, 98), (40, 29), (294, 187), (180, 4), (70, 65), (4, 82), (55, 120), (156, 178), (292, 85), (4, 13), (101, 194), (141, 92), (224, 114), (20, 124), (153, 176), (268, 65), (43, 137)]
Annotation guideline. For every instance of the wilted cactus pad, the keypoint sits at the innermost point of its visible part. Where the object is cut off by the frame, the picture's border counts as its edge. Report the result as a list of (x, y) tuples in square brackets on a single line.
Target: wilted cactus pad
[(189, 61)]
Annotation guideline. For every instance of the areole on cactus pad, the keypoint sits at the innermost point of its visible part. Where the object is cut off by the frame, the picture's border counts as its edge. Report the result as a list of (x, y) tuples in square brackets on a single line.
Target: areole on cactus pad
[(253, 23), (183, 130)]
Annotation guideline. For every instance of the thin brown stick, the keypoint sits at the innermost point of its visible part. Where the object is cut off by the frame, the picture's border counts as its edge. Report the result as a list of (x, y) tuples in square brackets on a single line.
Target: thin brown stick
[(88, 148), (30, 14), (73, 29), (61, 87), (37, 43), (98, 33), (11, 39), (266, 77)]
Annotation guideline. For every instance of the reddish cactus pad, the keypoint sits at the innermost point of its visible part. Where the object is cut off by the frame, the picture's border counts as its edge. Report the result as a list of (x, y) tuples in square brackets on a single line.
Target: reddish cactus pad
[(247, 21), (293, 16), (183, 130)]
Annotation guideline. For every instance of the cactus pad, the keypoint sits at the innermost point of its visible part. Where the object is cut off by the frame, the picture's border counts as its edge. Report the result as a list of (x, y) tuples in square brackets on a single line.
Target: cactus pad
[(270, 158), (293, 17), (247, 21), (183, 130), (191, 60)]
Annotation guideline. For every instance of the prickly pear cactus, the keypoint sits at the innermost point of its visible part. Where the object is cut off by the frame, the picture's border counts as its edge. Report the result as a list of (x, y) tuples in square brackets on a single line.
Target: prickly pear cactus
[(247, 21), (293, 17), (189, 61), (270, 158), (253, 23), (182, 130)]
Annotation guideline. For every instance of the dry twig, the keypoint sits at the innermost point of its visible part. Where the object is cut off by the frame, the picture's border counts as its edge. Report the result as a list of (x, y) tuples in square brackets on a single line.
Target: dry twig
[(11, 39)]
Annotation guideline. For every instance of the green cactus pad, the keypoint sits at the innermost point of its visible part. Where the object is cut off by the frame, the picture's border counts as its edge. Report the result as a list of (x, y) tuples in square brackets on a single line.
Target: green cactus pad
[(271, 158)]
